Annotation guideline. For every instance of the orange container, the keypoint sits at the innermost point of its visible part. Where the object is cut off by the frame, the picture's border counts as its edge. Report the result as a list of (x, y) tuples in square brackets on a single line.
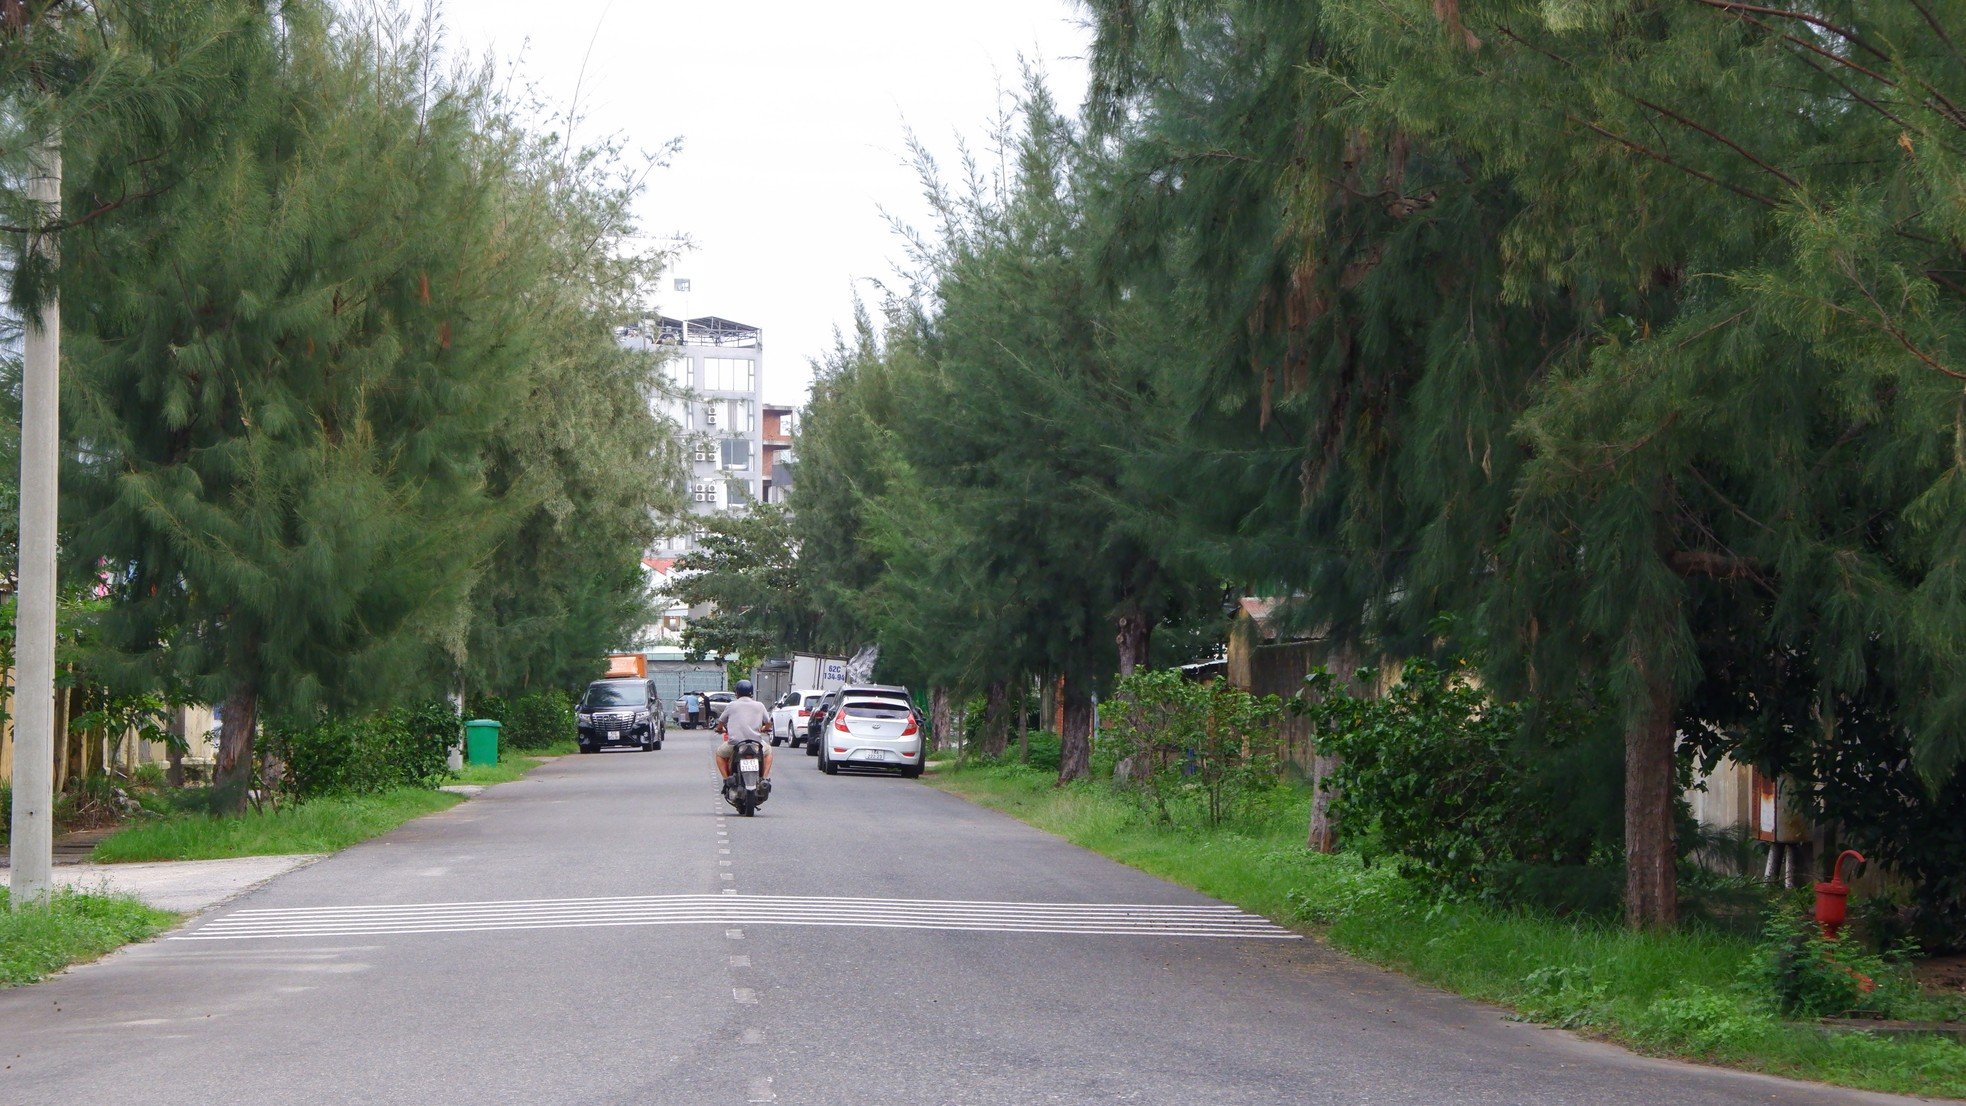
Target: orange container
[(623, 666)]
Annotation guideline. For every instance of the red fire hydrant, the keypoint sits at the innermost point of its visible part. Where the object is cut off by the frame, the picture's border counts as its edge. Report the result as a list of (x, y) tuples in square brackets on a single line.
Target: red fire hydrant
[(1833, 898)]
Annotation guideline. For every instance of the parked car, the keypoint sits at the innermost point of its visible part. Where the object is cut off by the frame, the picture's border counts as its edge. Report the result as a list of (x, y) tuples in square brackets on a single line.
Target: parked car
[(792, 712), (822, 715), (874, 726), (714, 703), (620, 712)]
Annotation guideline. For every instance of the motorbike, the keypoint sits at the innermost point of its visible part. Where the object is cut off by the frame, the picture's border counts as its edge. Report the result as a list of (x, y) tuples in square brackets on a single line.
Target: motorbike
[(746, 788)]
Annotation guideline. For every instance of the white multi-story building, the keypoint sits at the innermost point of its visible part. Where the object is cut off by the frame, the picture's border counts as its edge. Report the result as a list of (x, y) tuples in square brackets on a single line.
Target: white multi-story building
[(715, 396)]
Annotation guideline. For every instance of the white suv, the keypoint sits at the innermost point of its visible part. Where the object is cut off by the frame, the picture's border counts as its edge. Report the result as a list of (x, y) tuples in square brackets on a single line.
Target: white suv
[(874, 726), (791, 713)]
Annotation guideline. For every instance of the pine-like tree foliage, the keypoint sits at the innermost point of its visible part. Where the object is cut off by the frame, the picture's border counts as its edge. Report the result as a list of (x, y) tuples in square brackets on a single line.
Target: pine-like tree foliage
[(1627, 327), (580, 466), (980, 454), (289, 367)]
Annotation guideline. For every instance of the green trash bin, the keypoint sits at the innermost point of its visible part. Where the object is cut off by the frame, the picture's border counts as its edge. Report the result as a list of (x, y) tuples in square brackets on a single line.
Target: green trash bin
[(481, 741)]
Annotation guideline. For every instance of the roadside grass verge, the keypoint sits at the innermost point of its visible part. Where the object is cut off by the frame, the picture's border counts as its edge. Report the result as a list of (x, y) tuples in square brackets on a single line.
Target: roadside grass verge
[(512, 764), (1677, 994), (321, 825), (72, 929), (324, 824)]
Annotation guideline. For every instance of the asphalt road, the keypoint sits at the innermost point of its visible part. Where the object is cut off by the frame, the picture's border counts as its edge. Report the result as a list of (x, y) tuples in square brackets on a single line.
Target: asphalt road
[(605, 931)]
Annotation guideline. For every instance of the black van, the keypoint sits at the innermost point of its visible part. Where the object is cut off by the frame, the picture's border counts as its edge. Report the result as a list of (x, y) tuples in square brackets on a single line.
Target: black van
[(620, 712)]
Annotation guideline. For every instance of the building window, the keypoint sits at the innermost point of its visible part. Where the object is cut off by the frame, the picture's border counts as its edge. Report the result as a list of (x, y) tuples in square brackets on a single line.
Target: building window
[(743, 416), (736, 453), (728, 374), (738, 490)]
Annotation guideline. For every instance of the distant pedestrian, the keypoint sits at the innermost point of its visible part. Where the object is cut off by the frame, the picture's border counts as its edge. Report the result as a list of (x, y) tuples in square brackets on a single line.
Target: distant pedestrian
[(693, 708)]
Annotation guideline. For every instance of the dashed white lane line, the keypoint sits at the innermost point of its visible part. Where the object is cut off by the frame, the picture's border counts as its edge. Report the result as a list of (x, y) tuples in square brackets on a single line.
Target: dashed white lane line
[(740, 961), (1088, 919), (761, 1090), (744, 996)]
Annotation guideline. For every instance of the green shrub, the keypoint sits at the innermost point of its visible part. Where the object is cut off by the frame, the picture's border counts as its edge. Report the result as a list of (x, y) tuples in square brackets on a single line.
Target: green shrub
[(1194, 749), (406, 747), (538, 720), (1433, 773), (535, 720), (1803, 975)]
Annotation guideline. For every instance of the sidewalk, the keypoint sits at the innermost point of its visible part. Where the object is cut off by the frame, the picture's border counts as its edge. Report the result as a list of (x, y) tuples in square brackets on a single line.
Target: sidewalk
[(72, 847), (182, 886)]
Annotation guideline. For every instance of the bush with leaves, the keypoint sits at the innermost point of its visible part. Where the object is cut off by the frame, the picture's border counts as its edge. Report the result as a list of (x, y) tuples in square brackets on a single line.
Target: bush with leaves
[(1802, 974), (1194, 747), (539, 719), (324, 755), (535, 720), (1433, 773)]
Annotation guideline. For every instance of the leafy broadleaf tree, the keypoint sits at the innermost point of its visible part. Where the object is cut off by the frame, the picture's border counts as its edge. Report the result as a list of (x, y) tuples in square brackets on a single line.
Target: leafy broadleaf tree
[(745, 570)]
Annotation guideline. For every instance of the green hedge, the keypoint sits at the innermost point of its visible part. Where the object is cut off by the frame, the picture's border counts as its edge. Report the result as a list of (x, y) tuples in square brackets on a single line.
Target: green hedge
[(535, 720), (405, 747)]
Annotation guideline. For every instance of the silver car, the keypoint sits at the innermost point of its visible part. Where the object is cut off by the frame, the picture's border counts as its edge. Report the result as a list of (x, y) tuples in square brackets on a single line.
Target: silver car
[(875, 726)]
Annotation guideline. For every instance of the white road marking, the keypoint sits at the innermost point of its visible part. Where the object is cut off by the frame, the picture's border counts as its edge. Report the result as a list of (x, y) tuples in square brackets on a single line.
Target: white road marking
[(740, 961), (744, 996), (761, 1090), (734, 934), (1093, 919)]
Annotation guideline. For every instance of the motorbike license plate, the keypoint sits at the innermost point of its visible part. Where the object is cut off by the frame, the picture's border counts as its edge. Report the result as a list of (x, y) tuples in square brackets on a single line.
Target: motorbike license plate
[(747, 764)]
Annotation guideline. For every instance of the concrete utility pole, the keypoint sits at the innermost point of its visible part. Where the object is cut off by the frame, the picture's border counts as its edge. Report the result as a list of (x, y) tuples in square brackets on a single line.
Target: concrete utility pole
[(34, 633)]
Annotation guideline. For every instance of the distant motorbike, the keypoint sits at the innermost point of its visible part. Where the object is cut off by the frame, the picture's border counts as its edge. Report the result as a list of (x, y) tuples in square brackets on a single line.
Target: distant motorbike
[(746, 788)]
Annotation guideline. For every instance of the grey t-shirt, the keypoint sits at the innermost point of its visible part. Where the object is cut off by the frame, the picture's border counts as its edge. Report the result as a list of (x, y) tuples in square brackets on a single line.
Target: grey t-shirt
[(745, 717)]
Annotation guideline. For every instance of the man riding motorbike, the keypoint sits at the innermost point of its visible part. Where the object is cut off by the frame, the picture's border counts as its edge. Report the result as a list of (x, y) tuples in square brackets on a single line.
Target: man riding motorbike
[(744, 717)]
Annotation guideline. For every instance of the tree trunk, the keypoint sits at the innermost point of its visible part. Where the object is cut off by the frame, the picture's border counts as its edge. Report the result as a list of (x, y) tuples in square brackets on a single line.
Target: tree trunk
[(1133, 634), (64, 743), (1024, 720), (1651, 887), (939, 714), (1324, 828), (996, 721), (233, 777), (1075, 729)]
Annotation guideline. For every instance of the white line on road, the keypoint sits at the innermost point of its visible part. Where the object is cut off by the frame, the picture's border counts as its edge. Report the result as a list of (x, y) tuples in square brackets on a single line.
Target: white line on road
[(928, 914)]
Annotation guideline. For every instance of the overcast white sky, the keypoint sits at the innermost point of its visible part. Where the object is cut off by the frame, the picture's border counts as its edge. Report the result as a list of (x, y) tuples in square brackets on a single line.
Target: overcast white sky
[(792, 117)]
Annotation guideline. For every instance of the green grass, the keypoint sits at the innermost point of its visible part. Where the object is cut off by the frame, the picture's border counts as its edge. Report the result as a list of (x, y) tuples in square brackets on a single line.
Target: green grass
[(1676, 994), (317, 826), (73, 928), (513, 763)]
